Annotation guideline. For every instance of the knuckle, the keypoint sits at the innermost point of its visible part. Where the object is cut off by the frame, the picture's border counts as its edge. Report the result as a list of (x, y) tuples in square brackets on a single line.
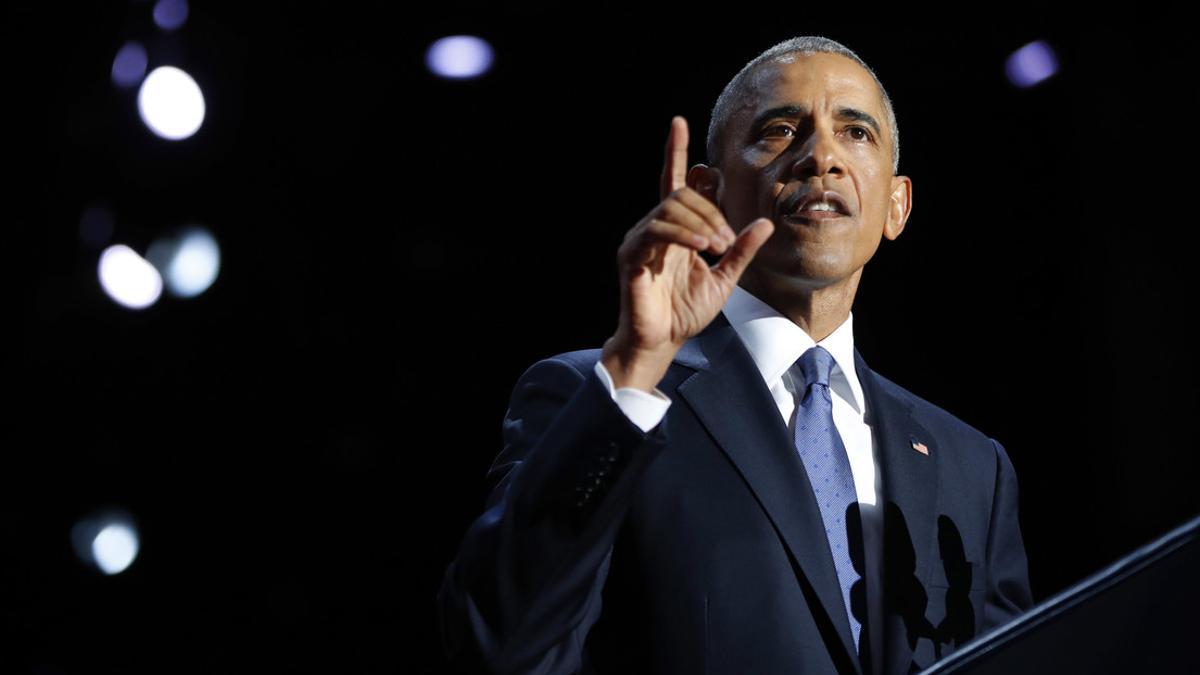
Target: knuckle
[(714, 217), (670, 208)]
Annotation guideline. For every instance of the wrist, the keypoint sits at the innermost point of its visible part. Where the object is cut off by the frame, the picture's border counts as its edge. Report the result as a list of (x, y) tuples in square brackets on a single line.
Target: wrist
[(640, 368)]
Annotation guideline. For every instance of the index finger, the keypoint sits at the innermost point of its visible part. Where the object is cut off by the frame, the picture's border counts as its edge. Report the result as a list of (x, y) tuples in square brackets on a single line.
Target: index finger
[(674, 174)]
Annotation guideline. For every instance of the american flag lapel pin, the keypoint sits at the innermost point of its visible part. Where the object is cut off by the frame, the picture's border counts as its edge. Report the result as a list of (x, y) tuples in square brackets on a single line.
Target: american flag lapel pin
[(920, 447)]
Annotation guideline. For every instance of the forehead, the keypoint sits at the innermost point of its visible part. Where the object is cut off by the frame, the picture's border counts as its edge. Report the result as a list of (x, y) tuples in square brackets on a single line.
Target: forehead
[(824, 80)]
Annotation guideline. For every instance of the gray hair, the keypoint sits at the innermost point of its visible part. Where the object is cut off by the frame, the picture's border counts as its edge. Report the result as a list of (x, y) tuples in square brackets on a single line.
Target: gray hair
[(809, 44)]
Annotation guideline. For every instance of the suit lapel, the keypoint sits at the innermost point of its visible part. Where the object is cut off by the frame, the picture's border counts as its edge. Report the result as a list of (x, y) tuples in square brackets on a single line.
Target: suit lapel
[(910, 489), (731, 400)]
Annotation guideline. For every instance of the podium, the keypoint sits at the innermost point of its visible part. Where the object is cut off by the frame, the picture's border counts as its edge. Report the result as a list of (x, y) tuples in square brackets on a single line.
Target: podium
[(1141, 614)]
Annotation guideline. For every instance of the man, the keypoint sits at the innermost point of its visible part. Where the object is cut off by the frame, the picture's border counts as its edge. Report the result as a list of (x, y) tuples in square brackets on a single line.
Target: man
[(658, 504)]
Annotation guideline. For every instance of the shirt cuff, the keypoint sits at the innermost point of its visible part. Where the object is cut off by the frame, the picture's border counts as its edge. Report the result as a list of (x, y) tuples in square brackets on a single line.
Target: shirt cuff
[(642, 408)]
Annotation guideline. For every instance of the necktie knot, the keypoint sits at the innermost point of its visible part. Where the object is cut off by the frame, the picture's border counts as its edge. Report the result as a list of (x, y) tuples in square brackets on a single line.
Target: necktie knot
[(816, 364)]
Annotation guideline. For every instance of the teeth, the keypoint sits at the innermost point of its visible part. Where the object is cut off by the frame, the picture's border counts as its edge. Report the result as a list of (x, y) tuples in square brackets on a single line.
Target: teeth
[(819, 206)]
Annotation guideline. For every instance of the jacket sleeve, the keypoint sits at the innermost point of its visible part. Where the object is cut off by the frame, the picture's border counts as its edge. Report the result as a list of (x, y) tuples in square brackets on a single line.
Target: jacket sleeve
[(526, 584), (1008, 594)]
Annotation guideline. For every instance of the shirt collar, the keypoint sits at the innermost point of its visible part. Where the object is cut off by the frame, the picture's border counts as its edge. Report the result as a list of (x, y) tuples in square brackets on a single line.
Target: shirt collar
[(775, 342)]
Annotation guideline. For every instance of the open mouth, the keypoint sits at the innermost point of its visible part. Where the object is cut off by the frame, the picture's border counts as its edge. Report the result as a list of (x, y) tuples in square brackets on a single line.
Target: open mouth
[(814, 216), (818, 206)]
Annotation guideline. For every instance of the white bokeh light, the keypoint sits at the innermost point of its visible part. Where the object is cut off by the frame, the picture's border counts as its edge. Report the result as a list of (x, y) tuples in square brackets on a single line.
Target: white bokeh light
[(114, 548), (189, 263), (106, 539), (459, 56), (171, 103), (128, 278)]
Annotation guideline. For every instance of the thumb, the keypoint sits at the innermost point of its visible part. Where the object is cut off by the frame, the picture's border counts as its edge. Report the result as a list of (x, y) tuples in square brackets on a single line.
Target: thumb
[(742, 251)]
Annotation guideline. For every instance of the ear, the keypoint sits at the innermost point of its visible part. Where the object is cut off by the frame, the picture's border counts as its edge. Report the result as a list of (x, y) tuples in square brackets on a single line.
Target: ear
[(899, 207), (708, 181)]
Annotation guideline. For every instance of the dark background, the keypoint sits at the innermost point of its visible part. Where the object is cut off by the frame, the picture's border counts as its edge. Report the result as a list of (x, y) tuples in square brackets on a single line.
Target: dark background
[(304, 445)]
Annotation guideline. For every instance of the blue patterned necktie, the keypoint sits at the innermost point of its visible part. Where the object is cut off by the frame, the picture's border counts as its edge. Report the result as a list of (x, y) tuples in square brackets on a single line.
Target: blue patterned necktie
[(828, 466)]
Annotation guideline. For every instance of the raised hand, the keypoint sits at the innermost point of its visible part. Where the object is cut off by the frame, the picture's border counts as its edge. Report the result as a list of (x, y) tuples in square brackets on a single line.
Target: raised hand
[(668, 292)]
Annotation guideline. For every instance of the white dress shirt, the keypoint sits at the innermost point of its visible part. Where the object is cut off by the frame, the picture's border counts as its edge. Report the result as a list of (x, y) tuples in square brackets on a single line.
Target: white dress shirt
[(775, 343)]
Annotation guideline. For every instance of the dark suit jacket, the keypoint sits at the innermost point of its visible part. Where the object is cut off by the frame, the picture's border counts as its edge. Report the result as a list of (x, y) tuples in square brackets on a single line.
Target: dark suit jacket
[(698, 547)]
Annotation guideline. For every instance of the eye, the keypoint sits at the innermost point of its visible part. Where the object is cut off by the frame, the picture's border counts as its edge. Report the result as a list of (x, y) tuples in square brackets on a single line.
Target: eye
[(866, 134), (765, 132)]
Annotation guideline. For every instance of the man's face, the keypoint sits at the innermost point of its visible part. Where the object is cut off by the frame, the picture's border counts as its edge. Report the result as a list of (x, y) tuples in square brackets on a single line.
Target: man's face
[(800, 131)]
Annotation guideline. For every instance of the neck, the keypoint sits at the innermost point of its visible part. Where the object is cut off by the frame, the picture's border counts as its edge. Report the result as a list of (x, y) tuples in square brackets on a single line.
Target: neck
[(818, 310)]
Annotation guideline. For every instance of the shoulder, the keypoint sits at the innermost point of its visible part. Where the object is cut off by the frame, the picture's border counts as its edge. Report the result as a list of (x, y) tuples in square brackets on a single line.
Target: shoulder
[(555, 377), (582, 360), (573, 366), (949, 428)]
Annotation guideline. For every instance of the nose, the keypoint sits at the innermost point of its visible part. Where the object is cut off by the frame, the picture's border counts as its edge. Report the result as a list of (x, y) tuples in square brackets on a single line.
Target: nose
[(818, 155)]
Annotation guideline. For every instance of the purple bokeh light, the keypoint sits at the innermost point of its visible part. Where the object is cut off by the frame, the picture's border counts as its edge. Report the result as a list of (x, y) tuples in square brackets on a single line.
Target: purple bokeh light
[(459, 57), (129, 66), (170, 14), (1031, 64)]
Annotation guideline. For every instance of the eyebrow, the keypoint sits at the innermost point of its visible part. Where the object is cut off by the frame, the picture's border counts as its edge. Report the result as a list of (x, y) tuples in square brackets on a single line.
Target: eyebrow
[(791, 110)]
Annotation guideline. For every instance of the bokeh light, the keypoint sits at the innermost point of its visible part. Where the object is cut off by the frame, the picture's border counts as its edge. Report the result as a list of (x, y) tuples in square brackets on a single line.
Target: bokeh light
[(171, 103), (459, 57), (170, 14), (129, 65), (128, 278), (107, 540), (1031, 64), (188, 262)]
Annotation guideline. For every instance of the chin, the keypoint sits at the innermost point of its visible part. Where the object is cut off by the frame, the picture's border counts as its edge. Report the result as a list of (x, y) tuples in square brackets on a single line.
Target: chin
[(804, 273)]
